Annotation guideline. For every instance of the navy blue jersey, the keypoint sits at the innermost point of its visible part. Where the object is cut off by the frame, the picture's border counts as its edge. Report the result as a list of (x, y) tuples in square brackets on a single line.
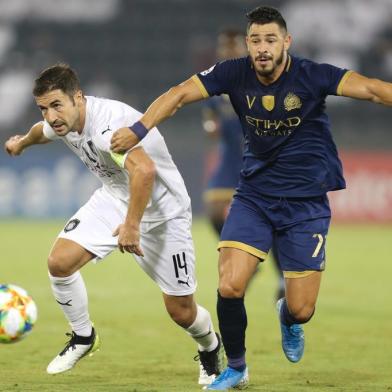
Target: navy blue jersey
[(288, 148), (227, 172)]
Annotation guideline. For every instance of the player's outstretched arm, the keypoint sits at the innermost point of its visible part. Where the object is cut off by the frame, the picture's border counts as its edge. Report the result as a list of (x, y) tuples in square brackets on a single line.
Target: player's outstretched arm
[(141, 171), (16, 144), (162, 108), (374, 90)]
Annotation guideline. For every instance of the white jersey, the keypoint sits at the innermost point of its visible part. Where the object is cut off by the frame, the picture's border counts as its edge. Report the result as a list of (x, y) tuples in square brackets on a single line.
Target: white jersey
[(169, 196)]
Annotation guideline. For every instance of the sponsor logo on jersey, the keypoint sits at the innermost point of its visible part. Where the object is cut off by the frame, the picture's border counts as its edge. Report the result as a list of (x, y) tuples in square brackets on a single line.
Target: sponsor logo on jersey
[(265, 127)]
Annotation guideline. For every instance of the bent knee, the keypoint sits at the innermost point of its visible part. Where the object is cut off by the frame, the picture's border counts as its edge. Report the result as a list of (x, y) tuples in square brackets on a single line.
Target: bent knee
[(231, 290), (302, 313), (181, 316), (58, 266)]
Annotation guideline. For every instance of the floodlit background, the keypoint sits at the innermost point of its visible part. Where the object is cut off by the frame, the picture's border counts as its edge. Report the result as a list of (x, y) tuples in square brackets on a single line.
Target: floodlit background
[(134, 50)]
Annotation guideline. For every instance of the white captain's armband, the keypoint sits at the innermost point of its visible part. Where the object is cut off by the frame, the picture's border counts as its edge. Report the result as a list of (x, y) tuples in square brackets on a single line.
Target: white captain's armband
[(119, 159)]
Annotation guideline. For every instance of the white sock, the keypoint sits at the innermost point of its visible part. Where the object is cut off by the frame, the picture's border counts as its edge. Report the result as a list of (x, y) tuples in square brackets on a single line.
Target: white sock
[(70, 292), (202, 330)]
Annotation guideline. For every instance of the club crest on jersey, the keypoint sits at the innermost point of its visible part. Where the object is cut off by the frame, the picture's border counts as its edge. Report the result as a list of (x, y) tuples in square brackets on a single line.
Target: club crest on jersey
[(292, 102), (268, 102), (207, 71)]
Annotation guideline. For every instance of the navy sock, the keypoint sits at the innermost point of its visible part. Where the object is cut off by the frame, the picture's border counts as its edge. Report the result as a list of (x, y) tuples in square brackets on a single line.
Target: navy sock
[(237, 363), (232, 324)]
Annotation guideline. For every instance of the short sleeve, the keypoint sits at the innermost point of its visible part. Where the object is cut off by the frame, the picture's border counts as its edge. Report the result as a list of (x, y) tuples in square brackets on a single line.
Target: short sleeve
[(328, 79), (48, 132), (219, 79)]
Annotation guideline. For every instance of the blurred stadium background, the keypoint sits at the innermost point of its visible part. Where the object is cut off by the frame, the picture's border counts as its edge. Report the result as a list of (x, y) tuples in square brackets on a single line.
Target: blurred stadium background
[(133, 50)]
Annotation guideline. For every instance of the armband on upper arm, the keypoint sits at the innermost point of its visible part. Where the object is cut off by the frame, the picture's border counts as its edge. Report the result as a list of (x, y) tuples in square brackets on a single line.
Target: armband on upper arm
[(119, 159)]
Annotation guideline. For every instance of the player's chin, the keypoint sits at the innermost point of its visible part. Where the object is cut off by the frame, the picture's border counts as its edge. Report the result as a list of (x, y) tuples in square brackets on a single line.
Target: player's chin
[(265, 70), (61, 131)]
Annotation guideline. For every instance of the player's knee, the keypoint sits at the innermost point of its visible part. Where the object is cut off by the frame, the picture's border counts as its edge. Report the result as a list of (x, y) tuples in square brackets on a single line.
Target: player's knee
[(58, 266), (231, 289), (302, 313), (181, 315), (182, 311)]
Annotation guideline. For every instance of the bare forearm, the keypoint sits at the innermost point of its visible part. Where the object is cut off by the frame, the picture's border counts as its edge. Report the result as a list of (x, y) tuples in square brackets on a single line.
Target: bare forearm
[(34, 136), (162, 108), (141, 184), (16, 144), (374, 90)]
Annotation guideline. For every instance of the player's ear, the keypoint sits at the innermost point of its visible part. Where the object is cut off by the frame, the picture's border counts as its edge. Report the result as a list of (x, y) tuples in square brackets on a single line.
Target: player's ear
[(287, 41), (247, 42), (78, 96)]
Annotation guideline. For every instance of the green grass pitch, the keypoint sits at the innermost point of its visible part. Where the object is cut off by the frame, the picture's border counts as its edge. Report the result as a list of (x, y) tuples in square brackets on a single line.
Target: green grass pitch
[(348, 343)]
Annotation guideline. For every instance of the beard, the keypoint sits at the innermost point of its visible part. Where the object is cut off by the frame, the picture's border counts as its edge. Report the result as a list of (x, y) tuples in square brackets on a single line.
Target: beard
[(268, 71)]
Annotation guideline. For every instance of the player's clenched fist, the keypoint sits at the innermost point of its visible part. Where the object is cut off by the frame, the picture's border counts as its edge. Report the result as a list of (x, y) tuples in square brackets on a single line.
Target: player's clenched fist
[(123, 139), (14, 146)]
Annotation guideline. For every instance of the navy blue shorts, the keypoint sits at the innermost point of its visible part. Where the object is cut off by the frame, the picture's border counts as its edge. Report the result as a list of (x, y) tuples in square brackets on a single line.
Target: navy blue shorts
[(297, 226)]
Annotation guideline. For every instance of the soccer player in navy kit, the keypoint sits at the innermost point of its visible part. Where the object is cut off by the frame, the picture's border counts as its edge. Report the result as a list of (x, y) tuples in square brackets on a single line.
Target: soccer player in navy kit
[(290, 163)]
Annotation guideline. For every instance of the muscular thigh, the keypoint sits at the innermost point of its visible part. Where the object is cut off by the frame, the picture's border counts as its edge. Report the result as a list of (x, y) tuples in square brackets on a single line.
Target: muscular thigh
[(236, 267), (67, 257)]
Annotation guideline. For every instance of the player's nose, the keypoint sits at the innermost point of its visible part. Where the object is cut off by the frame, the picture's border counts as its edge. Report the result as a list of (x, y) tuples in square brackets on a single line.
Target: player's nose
[(50, 116)]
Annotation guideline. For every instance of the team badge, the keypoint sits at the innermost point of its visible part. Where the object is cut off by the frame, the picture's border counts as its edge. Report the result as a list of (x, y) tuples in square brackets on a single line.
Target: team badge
[(268, 102), (292, 102), (71, 225)]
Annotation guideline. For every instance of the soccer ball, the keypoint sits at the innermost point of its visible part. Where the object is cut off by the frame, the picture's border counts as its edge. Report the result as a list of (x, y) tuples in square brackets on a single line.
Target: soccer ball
[(18, 313)]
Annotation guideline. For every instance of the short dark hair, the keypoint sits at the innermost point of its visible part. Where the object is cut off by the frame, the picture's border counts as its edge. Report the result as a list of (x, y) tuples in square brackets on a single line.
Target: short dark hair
[(57, 77), (263, 15)]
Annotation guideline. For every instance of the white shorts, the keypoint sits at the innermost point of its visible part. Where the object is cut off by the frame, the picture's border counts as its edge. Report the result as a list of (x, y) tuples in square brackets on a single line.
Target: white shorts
[(169, 257)]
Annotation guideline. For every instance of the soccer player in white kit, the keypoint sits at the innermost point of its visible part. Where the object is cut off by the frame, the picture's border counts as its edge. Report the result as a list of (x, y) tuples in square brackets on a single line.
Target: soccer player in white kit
[(142, 208)]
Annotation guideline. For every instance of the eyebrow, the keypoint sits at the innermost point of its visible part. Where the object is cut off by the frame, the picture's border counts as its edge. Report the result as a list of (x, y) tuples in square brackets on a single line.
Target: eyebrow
[(254, 35), (51, 104)]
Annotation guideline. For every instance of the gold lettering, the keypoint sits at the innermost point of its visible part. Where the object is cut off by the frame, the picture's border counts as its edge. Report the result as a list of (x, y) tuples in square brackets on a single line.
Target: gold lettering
[(250, 120), (294, 121), (250, 102)]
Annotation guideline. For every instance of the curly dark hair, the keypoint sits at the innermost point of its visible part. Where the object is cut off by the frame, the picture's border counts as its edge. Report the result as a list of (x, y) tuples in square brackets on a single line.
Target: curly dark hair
[(57, 77), (263, 15)]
